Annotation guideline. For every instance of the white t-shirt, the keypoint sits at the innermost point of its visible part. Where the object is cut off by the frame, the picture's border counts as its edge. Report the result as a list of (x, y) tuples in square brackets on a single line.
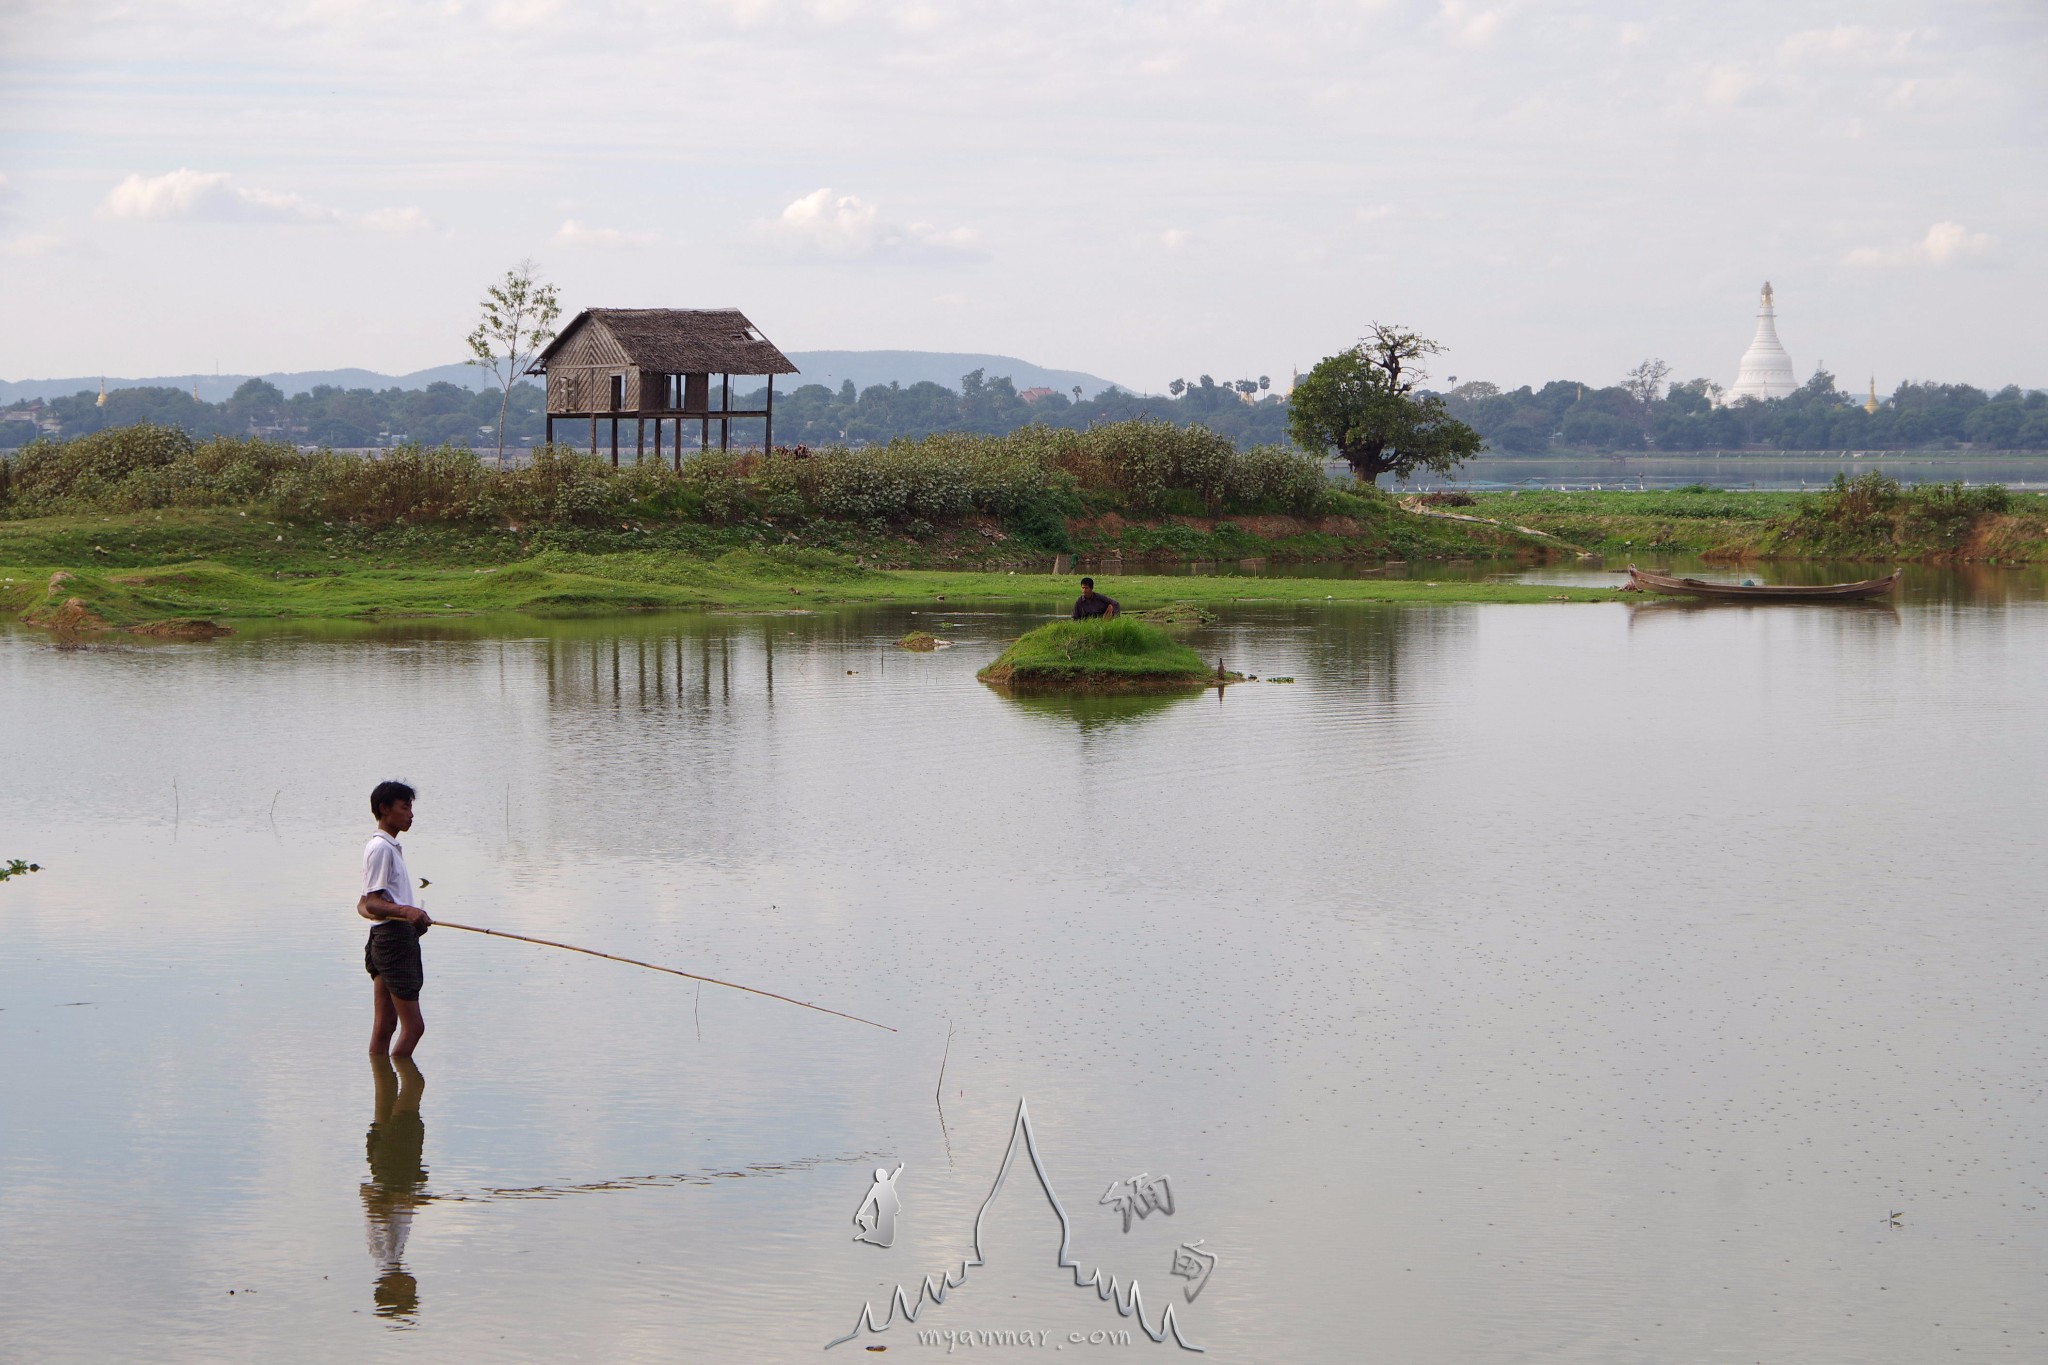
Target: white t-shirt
[(384, 869)]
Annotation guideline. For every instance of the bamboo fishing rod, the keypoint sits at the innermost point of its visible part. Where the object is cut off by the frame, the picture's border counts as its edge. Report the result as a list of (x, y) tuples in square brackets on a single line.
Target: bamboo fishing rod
[(655, 967)]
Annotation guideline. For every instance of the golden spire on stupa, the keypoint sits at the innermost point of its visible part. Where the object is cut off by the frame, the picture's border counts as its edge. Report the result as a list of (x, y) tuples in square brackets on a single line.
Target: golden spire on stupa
[(103, 393), (1870, 403)]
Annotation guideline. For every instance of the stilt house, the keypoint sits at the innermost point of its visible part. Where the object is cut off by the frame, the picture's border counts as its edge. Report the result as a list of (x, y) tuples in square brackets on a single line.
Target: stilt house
[(655, 365)]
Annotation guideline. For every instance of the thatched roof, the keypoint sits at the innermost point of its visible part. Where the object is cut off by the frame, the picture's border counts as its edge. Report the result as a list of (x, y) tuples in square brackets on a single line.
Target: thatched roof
[(679, 340)]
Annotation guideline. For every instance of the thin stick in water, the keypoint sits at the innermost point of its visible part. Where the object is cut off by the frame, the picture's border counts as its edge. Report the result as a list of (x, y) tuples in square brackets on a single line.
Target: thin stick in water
[(939, 1092), (656, 967)]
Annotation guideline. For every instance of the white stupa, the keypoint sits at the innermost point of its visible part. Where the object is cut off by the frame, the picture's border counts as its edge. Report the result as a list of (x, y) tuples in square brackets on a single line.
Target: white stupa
[(1766, 370)]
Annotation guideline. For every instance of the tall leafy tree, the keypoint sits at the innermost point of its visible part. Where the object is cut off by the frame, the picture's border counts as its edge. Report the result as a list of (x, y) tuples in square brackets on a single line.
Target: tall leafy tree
[(1363, 404), (519, 315)]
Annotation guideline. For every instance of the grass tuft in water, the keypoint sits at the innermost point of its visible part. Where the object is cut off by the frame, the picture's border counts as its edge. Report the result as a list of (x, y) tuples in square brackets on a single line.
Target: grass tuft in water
[(1118, 654)]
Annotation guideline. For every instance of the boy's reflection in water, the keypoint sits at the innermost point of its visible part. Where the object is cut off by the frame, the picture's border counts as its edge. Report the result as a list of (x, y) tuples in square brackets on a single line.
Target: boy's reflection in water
[(397, 1182)]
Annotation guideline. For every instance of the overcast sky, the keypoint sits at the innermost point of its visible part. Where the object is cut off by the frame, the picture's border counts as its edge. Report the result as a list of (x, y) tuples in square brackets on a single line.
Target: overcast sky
[(1141, 190)]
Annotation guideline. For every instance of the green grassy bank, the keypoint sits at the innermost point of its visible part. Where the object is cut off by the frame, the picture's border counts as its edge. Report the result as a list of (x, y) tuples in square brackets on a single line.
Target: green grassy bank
[(259, 575), (1869, 518)]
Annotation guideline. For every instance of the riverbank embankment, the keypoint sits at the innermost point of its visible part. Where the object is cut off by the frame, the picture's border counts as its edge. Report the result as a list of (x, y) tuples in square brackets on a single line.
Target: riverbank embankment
[(287, 579), (1871, 518)]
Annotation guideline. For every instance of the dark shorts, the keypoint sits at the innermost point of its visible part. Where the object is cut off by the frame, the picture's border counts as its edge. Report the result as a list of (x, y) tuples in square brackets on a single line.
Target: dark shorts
[(392, 955)]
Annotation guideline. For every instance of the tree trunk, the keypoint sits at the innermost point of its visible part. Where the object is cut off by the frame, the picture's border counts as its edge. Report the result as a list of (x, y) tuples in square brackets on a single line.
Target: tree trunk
[(503, 403), (1368, 462)]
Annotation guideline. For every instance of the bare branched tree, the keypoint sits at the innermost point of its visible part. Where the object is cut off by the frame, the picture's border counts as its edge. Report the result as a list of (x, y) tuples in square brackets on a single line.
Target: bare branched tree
[(1645, 383), (519, 316)]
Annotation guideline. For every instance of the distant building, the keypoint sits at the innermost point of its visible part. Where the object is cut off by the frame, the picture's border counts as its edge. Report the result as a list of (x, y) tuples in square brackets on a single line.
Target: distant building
[(1870, 403), (1037, 395), (1766, 370)]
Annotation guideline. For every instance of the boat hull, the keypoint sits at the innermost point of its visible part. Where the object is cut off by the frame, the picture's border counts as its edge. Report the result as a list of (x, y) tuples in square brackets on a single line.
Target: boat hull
[(1643, 581)]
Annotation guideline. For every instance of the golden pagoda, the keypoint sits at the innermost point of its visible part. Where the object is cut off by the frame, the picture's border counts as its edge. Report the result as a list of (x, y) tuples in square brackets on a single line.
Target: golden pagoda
[(103, 393), (1870, 403)]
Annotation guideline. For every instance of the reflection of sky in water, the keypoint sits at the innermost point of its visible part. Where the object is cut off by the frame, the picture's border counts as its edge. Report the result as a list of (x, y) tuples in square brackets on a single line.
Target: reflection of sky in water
[(1521, 981)]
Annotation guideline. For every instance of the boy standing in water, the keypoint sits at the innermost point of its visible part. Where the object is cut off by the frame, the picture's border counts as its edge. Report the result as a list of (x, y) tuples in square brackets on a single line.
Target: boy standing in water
[(392, 956)]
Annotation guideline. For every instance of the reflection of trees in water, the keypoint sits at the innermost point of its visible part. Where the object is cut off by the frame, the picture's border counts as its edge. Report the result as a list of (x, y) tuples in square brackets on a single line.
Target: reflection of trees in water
[(1845, 620), (1975, 585), (397, 1183), (1376, 651), (665, 733)]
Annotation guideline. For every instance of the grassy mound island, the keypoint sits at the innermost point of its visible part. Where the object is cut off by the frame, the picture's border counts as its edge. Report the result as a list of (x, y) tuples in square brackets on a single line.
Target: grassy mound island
[(1115, 655)]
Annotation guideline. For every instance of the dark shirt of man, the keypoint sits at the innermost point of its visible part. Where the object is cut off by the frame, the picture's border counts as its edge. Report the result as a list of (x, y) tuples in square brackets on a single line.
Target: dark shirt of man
[(1093, 603)]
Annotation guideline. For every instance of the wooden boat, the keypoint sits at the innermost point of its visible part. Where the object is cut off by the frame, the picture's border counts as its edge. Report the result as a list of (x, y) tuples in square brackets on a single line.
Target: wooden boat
[(1640, 580)]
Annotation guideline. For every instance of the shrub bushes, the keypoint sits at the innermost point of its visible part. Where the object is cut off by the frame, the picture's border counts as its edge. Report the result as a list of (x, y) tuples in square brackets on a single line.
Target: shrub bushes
[(1874, 512), (1030, 479)]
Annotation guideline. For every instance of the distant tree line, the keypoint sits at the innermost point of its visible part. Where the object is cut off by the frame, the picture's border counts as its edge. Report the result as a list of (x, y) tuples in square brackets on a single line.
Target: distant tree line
[(811, 414), (815, 415), (1641, 413), (327, 416)]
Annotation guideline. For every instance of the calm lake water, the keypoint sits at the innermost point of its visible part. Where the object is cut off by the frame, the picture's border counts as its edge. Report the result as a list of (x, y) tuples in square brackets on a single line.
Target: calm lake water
[(1562, 983)]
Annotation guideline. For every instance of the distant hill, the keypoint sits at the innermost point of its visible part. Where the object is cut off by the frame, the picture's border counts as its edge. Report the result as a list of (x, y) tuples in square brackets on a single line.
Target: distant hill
[(832, 368), (213, 388), (829, 368)]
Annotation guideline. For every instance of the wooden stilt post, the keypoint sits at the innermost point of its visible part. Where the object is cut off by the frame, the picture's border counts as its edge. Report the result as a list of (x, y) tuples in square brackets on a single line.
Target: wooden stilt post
[(551, 428), (593, 435), (615, 443), (768, 429), (657, 438), (725, 405), (639, 439)]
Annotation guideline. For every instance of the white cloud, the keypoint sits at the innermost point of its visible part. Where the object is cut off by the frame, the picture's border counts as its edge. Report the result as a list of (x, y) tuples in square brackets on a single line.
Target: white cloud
[(1848, 42), (515, 15), (206, 195), (1469, 22), (1632, 34), (35, 244), (846, 225), (1944, 244), (1378, 213), (8, 195), (397, 220), (573, 233), (1173, 239), (1727, 85)]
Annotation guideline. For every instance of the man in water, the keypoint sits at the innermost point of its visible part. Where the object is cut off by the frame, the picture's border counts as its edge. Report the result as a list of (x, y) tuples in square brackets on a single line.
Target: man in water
[(392, 956), (1092, 603)]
